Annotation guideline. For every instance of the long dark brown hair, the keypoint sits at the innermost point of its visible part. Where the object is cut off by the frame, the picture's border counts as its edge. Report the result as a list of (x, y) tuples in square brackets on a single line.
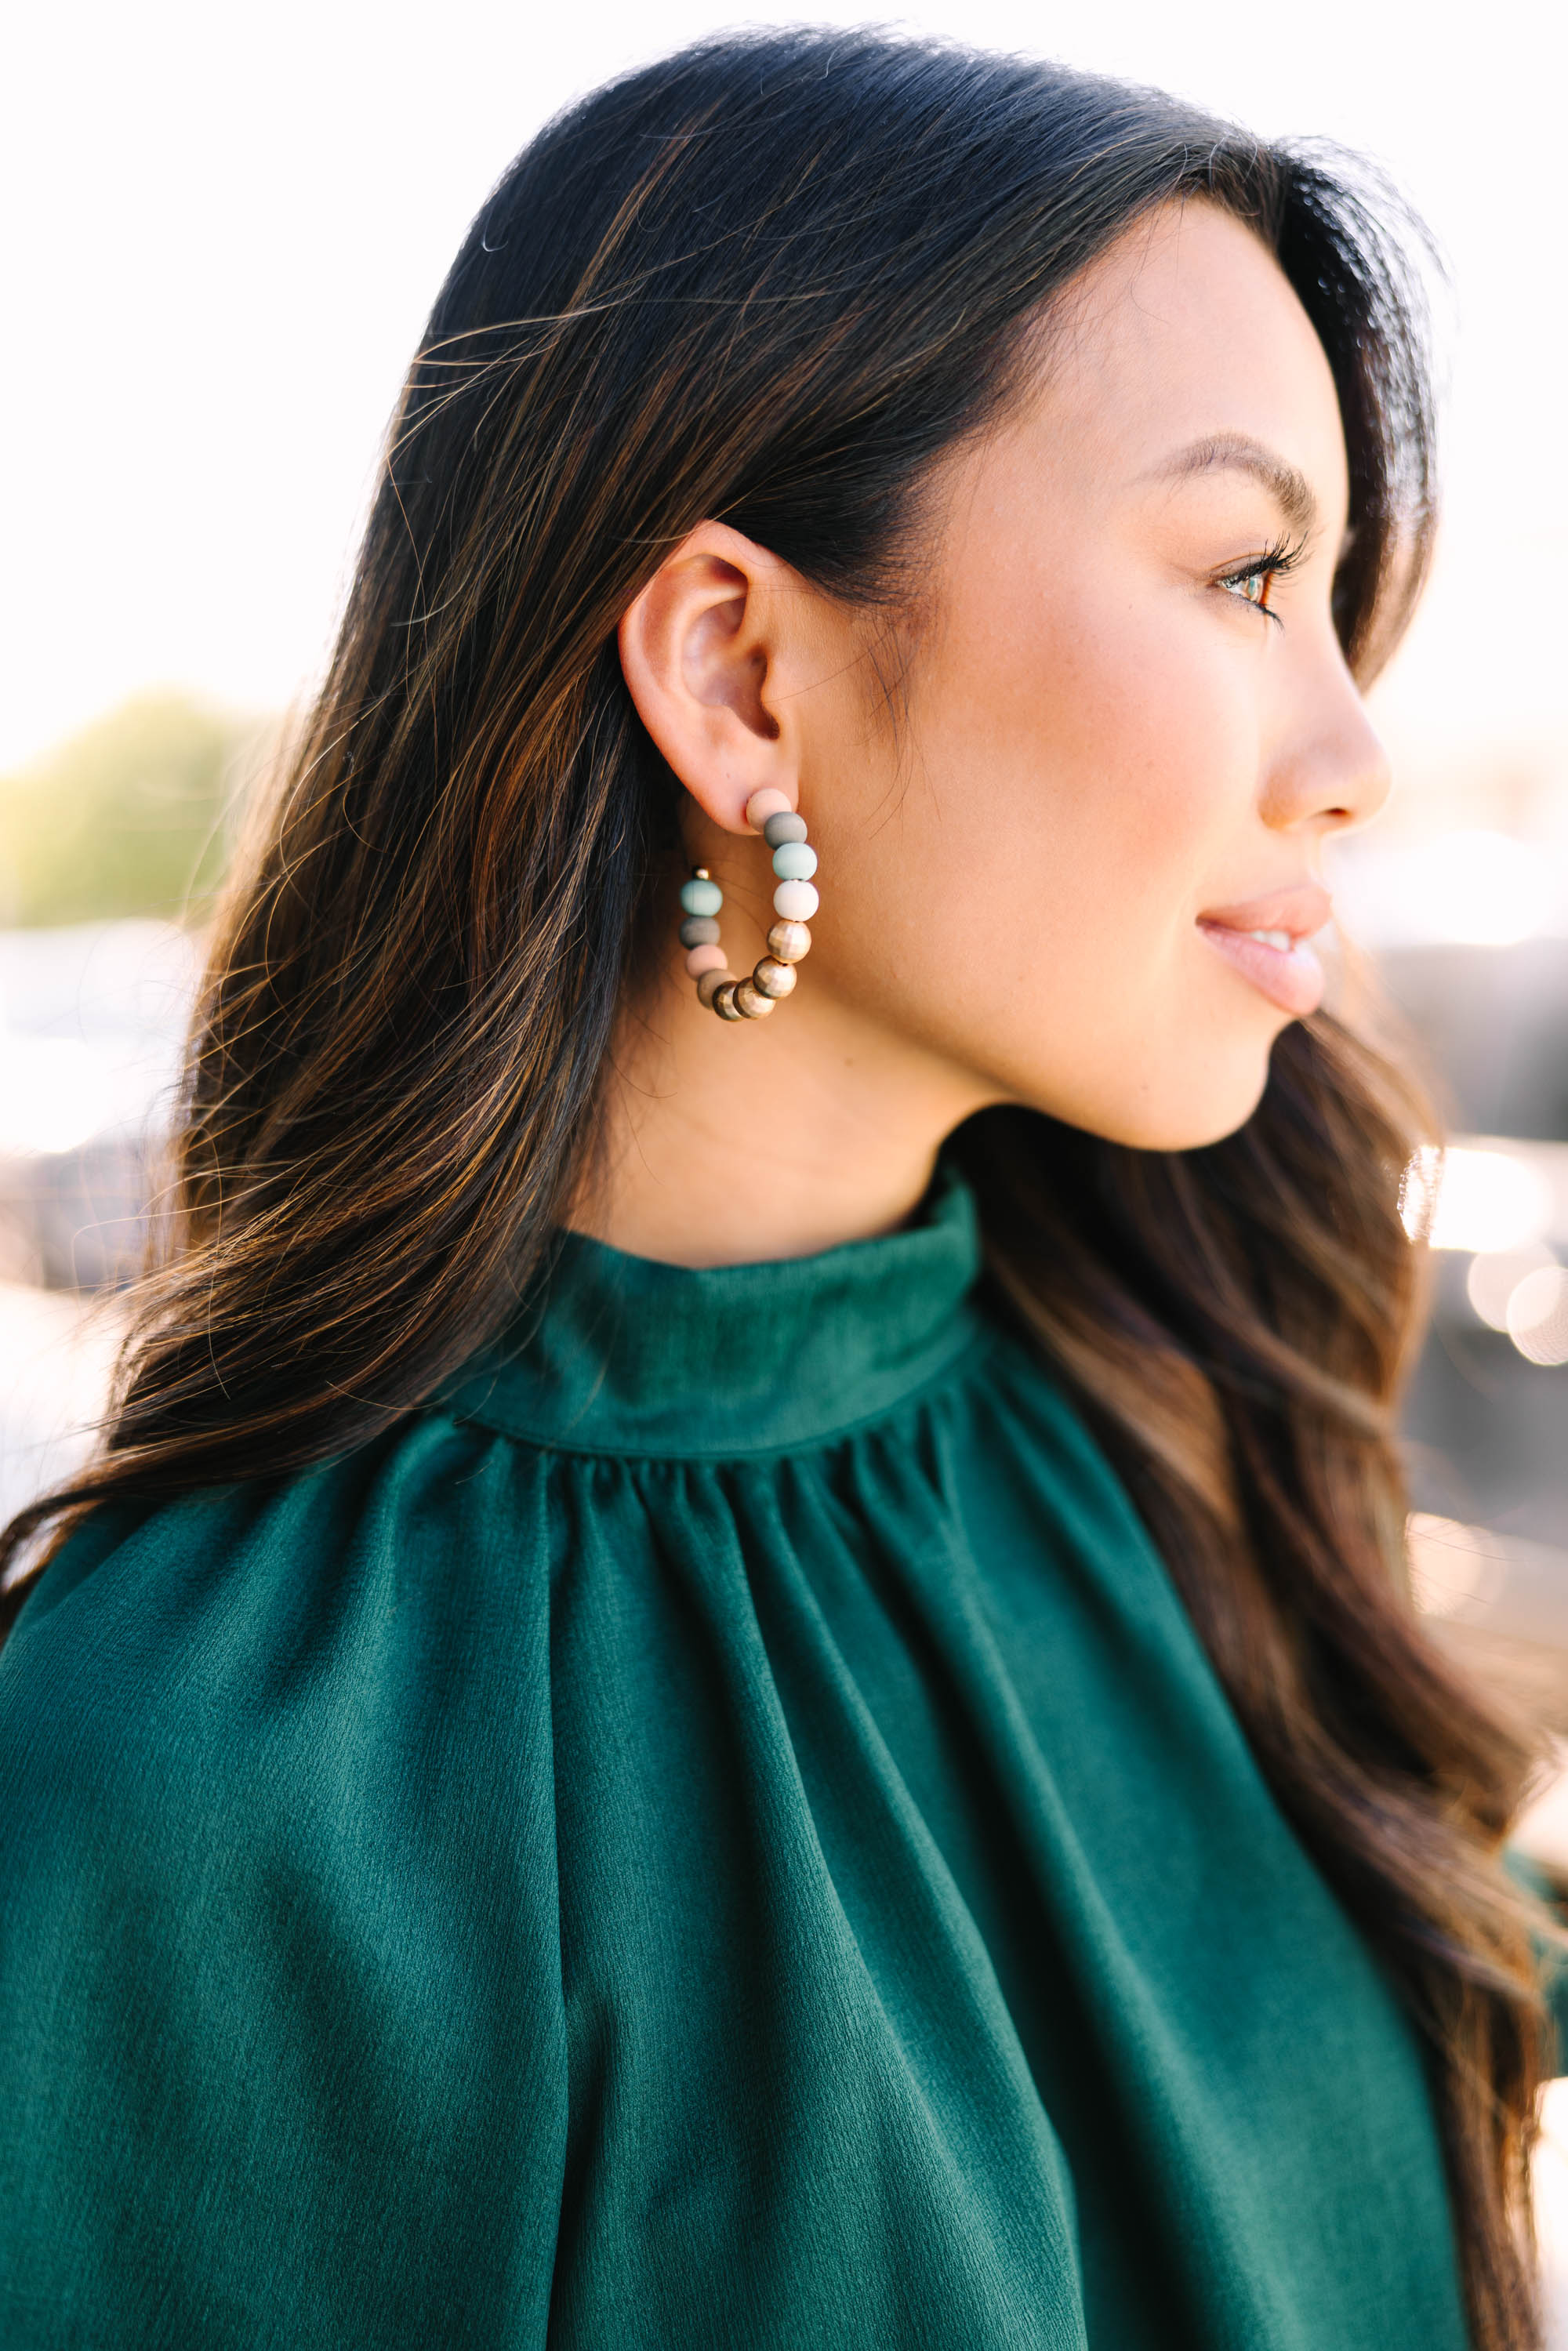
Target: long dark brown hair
[(769, 281)]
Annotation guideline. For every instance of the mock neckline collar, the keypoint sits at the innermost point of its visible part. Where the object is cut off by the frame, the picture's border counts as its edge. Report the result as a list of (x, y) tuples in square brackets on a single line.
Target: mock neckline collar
[(617, 1354)]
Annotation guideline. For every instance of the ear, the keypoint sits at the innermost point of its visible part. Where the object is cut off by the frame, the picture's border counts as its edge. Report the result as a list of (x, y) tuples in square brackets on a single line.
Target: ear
[(710, 652)]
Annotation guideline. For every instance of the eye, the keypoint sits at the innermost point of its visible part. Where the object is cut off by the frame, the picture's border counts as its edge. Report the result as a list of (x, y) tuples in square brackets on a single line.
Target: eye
[(1252, 587), (1252, 582)]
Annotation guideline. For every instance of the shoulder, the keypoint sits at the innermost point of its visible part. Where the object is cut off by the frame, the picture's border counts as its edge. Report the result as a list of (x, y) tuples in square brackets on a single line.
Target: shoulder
[(277, 1852), (221, 1626)]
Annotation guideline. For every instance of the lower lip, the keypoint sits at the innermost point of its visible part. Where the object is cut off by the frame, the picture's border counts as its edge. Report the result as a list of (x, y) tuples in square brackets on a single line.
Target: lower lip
[(1290, 977)]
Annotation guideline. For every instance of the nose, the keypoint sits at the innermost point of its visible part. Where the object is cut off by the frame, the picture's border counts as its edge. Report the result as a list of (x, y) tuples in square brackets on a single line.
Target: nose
[(1331, 770)]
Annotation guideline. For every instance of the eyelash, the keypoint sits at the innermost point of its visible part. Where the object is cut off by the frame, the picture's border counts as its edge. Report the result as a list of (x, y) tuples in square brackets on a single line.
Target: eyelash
[(1274, 561)]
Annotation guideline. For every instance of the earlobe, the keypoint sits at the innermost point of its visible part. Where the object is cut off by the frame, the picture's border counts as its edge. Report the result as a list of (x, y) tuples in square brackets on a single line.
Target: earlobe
[(699, 654)]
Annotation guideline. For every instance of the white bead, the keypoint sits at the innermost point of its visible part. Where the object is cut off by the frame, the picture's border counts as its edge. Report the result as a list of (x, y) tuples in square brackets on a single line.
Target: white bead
[(796, 902)]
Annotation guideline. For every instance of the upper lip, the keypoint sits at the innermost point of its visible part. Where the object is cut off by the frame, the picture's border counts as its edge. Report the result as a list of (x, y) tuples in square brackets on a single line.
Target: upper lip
[(1301, 911)]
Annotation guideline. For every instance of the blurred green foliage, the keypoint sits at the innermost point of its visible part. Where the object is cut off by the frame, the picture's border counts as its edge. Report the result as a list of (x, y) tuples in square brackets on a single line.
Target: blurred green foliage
[(130, 816)]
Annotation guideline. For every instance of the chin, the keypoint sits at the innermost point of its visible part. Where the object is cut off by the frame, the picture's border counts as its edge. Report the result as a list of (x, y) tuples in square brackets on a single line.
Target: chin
[(1163, 1115), (1195, 1124)]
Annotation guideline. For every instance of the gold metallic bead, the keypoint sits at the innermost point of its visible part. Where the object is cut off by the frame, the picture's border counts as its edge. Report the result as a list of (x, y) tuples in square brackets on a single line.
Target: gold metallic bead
[(750, 1002), (774, 978), (788, 941), (701, 874), (709, 985), (724, 997)]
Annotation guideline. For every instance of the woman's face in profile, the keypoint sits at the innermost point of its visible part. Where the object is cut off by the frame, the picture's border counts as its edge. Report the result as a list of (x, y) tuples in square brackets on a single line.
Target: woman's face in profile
[(1126, 725)]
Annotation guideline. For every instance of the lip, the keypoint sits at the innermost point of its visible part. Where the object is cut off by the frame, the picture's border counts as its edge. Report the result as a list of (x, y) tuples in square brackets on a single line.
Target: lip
[(1290, 977)]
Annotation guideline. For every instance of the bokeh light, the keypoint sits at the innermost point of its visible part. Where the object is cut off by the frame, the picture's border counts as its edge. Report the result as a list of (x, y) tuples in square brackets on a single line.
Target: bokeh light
[(1495, 1276), (1538, 1316)]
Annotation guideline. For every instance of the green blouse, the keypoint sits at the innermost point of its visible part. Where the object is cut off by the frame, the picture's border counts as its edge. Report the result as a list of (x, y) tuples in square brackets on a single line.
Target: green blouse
[(717, 1835)]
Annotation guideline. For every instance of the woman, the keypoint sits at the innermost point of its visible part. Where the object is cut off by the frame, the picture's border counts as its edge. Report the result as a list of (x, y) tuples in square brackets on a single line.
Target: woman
[(738, 1671)]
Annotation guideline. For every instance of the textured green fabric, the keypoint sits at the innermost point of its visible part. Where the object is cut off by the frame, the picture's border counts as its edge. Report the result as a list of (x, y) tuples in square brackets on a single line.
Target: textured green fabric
[(719, 1835)]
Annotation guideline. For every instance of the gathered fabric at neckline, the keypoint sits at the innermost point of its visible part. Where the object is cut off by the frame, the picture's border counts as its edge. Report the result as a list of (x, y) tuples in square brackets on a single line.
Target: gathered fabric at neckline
[(625, 1354)]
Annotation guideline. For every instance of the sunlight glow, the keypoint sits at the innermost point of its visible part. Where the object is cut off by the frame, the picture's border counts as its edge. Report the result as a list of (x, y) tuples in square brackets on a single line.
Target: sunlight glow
[(1481, 889), (55, 1093), (1483, 1201), (1453, 1567)]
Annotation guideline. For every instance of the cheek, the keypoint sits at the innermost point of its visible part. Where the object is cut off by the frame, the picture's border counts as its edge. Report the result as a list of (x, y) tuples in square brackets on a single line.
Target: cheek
[(1089, 759), (1024, 896)]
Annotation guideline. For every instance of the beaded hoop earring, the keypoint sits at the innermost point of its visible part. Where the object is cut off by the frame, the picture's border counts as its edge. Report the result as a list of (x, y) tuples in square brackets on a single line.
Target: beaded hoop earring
[(794, 902)]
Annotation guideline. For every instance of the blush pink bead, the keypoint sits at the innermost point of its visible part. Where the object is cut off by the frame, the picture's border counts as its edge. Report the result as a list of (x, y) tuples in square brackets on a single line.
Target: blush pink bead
[(708, 958), (764, 804)]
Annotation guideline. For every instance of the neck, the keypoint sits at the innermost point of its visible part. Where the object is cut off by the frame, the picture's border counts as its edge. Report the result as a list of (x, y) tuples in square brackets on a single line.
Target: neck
[(724, 1144)]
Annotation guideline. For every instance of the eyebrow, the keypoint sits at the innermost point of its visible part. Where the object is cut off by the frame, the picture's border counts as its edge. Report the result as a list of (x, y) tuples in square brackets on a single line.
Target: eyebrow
[(1234, 451)]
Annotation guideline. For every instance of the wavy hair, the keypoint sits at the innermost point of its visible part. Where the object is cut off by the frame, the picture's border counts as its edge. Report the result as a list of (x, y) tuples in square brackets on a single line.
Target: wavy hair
[(770, 280)]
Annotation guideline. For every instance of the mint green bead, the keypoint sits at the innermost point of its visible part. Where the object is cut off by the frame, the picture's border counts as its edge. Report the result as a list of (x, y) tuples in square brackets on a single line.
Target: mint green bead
[(794, 861), (701, 897)]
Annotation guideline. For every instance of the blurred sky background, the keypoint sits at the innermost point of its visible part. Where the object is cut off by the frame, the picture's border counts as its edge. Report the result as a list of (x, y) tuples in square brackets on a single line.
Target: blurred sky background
[(223, 227)]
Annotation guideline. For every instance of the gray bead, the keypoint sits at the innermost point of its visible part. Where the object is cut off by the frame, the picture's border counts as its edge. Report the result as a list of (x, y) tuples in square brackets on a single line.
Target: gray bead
[(786, 826), (699, 931)]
